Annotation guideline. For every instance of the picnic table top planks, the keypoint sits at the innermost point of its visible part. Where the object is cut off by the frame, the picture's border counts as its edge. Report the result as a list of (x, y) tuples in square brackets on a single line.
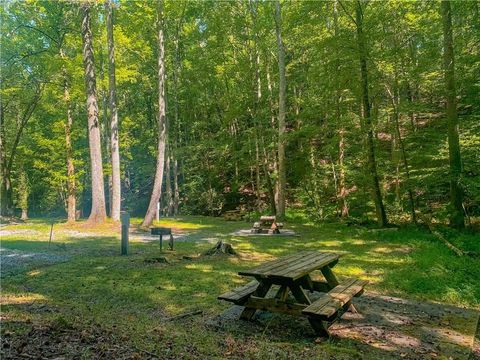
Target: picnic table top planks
[(293, 267)]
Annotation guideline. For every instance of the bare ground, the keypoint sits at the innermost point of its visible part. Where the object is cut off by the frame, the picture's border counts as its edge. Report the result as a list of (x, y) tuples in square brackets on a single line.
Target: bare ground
[(385, 327)]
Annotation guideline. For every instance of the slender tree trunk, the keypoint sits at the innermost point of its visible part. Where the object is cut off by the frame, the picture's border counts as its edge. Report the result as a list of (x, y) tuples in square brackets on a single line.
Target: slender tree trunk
[(6, 191), (22, 192), (98, 213), (456, 193), (157, 185), (281, 114), (398, 135), (174, 153), (342, 195), (168, 183), (271, 185), (257, 87), (372, 165), (176, 192), (342, 190), (115, 200), (71, 187)]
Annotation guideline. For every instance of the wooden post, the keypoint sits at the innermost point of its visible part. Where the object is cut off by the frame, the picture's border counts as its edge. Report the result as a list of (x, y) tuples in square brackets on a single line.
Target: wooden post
[(51, 233), (125, 219)]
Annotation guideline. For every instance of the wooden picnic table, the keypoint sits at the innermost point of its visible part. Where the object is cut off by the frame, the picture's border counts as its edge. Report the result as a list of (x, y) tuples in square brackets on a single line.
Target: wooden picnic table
[(267, 225), (291, 275)]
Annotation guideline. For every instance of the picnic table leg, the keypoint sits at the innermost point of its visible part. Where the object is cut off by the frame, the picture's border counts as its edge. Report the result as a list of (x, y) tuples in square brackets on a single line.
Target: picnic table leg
[(299, 294), (332, 281), (261, 291), (319, 327), (282, 293)]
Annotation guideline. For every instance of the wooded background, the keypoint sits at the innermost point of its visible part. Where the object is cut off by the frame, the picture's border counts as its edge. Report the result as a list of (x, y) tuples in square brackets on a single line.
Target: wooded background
[(356, 123)]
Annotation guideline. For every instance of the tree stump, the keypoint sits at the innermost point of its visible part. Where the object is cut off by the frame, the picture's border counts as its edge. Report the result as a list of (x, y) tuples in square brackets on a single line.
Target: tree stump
[(221, 248)]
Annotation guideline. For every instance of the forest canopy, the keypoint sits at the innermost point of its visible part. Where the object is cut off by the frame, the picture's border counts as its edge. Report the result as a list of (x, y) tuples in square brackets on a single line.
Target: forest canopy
[(366, 110)]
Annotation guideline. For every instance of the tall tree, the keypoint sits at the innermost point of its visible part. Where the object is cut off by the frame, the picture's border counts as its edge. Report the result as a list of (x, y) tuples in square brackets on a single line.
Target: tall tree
[(71, 188), (115, 201), (456, 192), (157, 185), (282, 178), (98, 212), (367, 118), (342, 187)]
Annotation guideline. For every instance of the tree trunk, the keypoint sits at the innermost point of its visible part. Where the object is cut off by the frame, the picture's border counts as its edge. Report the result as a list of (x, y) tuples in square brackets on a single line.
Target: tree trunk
[(372, 165), (22, 195), (98, 213), (115, 200), (71, 188), (271, 185), (281, 115), (176, 192), (257, 87), (157, 185), (395, 103), (456, 193), (168, 184), (6, 191), (174, 153), (342, 190)]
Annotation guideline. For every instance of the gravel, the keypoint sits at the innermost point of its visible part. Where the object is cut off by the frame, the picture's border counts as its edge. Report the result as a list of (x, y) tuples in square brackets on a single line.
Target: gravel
[(13, 261)]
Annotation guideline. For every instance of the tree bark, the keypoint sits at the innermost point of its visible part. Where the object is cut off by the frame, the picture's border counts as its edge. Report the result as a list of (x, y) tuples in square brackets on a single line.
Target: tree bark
[(271, 185), (371, 163), (168, 183), (157, 185), (456, 192), (394, 96), (98, 212), (115, 200), (257, 87), (176, 192), (281, 114), (71, 188), (6, 190), (342, 190), (174, 153)]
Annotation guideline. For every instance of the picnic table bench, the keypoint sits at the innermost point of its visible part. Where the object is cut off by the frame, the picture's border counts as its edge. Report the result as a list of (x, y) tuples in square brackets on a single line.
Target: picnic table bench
[(267, 224), (292, 275)]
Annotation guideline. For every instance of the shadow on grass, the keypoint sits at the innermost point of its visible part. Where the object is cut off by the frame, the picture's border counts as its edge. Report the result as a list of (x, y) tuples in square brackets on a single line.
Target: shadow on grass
[(386, 327)]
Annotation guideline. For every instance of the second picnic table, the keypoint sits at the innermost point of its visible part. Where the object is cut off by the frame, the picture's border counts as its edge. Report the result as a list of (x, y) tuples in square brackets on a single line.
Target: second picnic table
[(292, 275)]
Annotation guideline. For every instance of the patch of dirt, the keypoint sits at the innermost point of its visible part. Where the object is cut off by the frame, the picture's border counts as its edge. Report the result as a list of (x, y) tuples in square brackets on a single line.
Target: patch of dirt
[(411, 328), (19, 232), (386, 327), (15, 260)]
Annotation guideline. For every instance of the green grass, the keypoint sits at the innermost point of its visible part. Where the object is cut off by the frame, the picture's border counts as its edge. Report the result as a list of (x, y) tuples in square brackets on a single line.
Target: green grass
[(132, 298)]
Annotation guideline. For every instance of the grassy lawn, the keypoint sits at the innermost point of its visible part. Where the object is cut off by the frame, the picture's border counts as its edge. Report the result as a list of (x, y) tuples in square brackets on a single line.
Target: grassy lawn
[(131, 298)]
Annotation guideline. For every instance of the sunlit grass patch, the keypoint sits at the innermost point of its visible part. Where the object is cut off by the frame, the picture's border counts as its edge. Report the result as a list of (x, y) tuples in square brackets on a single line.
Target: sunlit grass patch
[(34, 273), (20, 298)]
